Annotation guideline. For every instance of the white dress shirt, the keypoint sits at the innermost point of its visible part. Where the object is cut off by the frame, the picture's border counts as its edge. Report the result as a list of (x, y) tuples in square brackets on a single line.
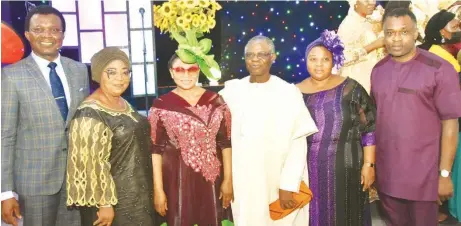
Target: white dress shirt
[(43, 66)]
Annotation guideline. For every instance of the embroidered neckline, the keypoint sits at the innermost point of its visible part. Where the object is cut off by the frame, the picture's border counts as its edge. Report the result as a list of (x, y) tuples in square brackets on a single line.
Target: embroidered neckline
[(184, 99), (329, 89), (97, 105)]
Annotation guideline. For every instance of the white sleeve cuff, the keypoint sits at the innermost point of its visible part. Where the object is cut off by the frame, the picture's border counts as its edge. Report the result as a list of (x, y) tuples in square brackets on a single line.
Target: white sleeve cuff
[(290, 184), (8, 195)]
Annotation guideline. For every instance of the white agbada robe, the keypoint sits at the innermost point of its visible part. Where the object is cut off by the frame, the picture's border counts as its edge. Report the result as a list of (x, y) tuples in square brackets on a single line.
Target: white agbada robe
[(270, 123)]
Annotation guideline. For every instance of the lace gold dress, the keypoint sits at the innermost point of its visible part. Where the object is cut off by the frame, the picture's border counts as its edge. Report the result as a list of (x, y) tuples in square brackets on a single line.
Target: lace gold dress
[(110, 163)]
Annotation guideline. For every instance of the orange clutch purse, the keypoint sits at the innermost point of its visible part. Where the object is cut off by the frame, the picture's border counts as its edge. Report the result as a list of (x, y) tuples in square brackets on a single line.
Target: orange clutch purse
[(302, 198)]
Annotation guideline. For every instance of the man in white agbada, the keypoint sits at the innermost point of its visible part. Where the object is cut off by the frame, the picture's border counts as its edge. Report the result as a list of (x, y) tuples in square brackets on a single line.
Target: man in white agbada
[(270, 124)]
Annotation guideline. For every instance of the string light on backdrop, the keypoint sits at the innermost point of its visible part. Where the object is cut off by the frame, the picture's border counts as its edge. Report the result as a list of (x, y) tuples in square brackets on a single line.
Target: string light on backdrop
[(291, 25)]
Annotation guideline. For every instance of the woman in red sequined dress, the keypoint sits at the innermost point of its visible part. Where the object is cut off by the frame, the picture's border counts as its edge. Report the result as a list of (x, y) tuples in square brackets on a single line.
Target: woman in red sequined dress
[(191, 153)]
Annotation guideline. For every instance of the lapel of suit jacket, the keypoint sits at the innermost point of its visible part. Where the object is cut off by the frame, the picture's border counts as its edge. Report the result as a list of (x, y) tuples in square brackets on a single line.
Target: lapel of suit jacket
[(35, 72), (71, 73), (38, 76)]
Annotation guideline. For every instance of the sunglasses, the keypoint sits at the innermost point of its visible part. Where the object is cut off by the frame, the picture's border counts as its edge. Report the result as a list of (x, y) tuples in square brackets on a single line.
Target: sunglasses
[(192, 69)]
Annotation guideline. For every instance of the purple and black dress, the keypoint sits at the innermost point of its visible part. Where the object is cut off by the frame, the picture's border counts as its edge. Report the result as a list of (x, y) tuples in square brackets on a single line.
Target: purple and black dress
[(345, 117)]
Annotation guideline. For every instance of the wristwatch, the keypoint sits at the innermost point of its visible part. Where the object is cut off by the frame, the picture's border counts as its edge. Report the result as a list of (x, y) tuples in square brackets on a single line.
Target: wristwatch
[(444, 173)]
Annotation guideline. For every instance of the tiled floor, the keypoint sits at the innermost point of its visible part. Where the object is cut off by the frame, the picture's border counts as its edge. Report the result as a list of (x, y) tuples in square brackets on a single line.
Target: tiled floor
[(377, 221)]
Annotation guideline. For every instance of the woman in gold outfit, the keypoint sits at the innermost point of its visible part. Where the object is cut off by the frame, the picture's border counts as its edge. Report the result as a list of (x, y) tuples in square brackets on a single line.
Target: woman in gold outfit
[(109, 169)]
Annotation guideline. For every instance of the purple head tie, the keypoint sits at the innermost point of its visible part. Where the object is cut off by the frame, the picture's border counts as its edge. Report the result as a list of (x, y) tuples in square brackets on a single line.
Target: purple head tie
[(330, 40)]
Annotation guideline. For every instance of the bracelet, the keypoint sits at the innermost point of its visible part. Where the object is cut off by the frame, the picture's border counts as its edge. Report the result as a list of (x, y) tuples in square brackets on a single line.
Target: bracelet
[(369, 164), (105, 206)]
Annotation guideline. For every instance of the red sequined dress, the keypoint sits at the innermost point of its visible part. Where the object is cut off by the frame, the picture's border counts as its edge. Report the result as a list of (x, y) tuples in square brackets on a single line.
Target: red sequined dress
[(190, 140)]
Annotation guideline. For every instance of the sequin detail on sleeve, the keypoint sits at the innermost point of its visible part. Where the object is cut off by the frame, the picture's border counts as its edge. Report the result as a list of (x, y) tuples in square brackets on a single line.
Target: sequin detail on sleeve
[(227, 121), (368, 139), (153, 119)]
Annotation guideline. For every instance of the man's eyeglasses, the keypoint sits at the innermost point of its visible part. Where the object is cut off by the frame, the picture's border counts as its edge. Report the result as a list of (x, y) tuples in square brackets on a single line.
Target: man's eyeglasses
[(261, 55), (111, 74), (182, 70), (53, 31)]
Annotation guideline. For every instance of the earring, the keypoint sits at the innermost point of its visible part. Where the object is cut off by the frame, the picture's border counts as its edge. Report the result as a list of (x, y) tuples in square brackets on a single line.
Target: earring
[(442, 40)]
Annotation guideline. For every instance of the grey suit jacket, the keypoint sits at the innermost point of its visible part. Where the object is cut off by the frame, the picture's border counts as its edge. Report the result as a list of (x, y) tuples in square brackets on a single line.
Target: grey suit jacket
[(34, 135)]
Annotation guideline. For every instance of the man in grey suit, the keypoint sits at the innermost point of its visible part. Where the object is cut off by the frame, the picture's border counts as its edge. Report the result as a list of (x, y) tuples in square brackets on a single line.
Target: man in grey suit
[(39, 97)]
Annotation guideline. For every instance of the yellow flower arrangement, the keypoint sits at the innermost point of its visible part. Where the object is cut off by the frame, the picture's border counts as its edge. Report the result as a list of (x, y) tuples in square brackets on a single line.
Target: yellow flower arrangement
[(211, 23), (190, 4), (186, 21), (211, 15), (172, 10), (203, 18), (203, 3), (196, 21), (188, 17)]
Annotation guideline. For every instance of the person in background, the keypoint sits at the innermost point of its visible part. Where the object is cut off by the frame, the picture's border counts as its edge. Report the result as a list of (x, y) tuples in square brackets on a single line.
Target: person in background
[(454, 204), (40, 95), (416, 125), (341, 156), (361, 41), (425, 9), (455, 9), (109, 166), (395, 4), (442, 31), (192, 153)]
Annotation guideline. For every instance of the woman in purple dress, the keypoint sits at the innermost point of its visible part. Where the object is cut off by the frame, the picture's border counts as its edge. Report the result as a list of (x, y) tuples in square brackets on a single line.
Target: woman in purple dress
[(341, 155)]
